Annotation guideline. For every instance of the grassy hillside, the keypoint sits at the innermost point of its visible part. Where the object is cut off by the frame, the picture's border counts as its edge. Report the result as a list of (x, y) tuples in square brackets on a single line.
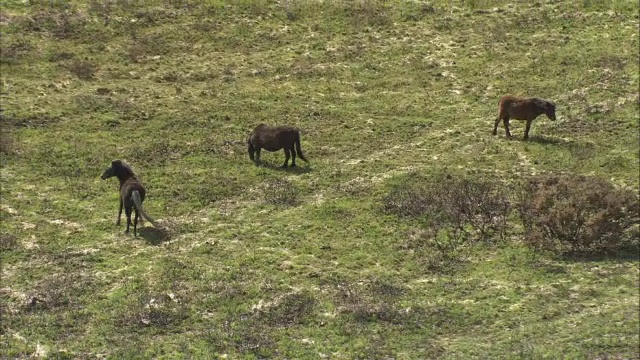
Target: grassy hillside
[(262, 262)]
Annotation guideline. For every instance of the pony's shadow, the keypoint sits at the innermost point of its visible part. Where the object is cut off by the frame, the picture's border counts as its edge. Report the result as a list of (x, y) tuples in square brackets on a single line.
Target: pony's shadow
[(295, 170), (539, 139), (154, 236)]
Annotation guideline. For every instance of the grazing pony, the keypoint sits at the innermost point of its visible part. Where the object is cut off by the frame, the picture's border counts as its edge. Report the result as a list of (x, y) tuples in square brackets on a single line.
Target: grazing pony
[(274, 139), (131, 193), (511, 107)]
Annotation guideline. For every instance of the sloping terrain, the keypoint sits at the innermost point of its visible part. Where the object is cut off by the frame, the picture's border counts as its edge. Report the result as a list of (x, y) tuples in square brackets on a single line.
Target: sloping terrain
[(261, 262)]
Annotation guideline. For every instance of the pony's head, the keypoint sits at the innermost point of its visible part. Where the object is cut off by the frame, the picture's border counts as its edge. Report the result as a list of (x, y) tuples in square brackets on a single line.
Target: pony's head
[(550, 110), (118, 168), (251, 149)]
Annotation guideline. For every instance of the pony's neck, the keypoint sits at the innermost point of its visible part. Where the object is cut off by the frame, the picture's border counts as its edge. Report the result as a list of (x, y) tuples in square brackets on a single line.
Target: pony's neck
[(124, 176)]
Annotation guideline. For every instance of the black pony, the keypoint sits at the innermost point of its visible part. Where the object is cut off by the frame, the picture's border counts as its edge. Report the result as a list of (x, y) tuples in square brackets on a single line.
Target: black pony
[(274, 139), (132, 194)]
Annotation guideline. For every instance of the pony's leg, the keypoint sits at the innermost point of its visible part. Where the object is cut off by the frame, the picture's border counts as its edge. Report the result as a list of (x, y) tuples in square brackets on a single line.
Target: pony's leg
[(526, 130), (506, 127), (495, 126), (127, 211), (135, 223), (119, 213), (286, 157), (258, 156), (293, 156)]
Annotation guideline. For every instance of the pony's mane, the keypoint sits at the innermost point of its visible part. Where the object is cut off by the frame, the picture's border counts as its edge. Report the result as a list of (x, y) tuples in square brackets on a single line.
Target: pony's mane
[(541, 103), (124, 167)]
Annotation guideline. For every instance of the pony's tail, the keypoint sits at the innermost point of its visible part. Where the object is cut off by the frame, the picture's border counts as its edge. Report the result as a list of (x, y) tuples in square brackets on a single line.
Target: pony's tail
[(137, 201), (298, 149)]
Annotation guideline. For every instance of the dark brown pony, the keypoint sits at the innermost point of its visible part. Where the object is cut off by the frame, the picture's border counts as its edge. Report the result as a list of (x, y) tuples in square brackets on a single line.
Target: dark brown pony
[(132, 194), (511, 107), (274, 139)]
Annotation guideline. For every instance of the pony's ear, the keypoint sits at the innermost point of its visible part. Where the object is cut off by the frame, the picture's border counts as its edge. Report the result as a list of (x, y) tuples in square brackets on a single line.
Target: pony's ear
[(116, 163)]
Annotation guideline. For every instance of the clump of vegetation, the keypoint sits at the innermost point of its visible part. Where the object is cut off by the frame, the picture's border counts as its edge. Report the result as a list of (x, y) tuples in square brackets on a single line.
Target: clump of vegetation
[(372, 302), (83, 69), (142, 47), (292, 309), (575, 214), (281, 192), (6, 144), (14, 51), (8, 241), (160, 312), (456, 211), (59, 22)]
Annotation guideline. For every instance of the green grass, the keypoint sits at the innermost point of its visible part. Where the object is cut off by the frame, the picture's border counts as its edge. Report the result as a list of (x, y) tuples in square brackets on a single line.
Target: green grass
[(251, 270)]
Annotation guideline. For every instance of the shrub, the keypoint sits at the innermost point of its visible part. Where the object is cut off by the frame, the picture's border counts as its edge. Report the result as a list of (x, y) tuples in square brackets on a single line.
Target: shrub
[(289, 310), (61, 23), (455, 212), (15, 51), (576, 214), (146, 46), (475, 207), (84, 70)]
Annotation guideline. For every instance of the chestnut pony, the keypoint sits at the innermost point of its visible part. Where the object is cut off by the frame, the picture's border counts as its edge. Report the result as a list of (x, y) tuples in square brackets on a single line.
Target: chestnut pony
[(132, 194), (511, 107)]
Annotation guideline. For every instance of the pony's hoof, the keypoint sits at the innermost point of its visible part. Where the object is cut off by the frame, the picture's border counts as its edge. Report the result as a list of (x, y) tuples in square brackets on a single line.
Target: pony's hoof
[(293, 165)]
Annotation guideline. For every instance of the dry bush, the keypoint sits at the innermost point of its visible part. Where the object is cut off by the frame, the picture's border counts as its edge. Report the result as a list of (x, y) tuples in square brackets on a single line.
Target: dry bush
[(83, 69), (368, 12), (159, 311), (371, 302), (574, 214), (56, 56), (59, 291), (474, 206), (455, 211), (13, 51), (409, 197), (146, 46), (291, 310), (60, 23)]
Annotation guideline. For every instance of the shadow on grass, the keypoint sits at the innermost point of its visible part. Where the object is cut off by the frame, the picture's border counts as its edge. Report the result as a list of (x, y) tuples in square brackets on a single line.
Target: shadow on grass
[(154, 236), (626, 254), (294, 170), (546, 140)]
